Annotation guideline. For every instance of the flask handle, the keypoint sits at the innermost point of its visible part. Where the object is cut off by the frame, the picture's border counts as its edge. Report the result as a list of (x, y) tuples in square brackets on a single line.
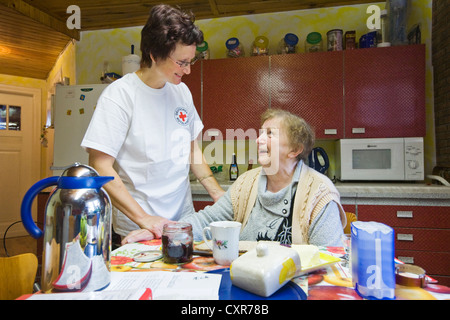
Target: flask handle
[(25, 209)]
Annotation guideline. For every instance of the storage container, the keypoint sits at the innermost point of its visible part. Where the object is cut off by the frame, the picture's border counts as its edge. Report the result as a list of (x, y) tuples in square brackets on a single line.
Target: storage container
[(288, 44), (334, 40), (260, 46), (350, 40), (202, 51), (313, 42), (397, 11), (234, 48)]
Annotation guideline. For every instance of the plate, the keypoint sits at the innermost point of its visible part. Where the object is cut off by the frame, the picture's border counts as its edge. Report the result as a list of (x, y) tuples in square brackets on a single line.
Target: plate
[(147, 256), (227, 291), (325, 261)]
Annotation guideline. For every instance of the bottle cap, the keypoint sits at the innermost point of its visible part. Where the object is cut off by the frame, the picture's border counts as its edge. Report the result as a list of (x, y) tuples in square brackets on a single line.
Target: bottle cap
[(202, 46), (314, 38), (232, 43), (291, 39), (261, 42)]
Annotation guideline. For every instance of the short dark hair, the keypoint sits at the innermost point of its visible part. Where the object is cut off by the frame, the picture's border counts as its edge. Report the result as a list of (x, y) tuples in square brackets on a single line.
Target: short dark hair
[(165, 27)]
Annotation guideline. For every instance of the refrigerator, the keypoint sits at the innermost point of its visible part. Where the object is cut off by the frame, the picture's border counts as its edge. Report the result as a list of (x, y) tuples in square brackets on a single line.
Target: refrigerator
[(72, 111)]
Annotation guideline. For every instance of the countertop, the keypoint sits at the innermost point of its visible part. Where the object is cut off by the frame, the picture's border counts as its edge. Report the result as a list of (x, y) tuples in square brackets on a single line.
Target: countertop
[(369, 193)]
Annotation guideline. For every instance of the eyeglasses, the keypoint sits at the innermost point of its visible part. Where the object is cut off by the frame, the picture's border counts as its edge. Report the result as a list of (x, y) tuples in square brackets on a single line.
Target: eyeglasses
[(184, 64)]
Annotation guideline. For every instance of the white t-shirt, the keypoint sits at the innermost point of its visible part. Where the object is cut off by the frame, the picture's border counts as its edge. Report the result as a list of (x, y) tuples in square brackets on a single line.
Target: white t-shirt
[(149, 132)]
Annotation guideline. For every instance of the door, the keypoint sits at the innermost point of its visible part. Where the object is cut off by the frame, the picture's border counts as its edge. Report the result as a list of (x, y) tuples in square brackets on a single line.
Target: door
[(19, 152)]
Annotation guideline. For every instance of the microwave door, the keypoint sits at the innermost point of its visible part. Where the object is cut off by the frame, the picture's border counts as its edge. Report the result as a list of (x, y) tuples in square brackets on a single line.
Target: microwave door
[(377, 160)]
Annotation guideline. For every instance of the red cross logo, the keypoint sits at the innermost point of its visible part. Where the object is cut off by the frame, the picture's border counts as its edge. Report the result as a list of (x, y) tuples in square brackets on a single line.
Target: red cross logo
[(182, 116)]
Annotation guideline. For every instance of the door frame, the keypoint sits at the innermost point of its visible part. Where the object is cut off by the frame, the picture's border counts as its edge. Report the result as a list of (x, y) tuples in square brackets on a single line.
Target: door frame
[(35, 94)]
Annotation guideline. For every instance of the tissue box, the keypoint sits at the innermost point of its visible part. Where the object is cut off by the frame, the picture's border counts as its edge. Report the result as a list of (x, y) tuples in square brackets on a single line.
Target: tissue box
[(265, 269), (373, 266)]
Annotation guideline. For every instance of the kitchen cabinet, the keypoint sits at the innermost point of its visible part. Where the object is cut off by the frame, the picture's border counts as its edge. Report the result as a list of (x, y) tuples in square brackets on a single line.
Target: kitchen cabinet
[(235, 94), (364, 93), (311, 86), (385, 92), (421, 235)]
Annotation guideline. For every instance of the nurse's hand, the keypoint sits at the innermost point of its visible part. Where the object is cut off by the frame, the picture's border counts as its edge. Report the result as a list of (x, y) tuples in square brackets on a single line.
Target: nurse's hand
[(138, 235), (154, 224)]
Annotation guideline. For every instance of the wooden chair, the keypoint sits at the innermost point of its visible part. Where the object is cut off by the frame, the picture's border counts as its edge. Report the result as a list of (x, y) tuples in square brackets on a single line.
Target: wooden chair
[(17, 275), (351, 217)]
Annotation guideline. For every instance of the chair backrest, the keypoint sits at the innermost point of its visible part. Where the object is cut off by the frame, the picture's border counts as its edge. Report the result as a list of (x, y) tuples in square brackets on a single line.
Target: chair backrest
[(351, 217), (17, 275)]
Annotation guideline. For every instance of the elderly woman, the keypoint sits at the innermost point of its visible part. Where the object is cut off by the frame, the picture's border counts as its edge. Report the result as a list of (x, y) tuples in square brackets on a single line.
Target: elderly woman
[(283, 200)]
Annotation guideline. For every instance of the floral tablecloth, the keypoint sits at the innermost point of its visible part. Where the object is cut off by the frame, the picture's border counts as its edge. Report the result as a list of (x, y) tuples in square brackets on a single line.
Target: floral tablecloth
[(333, 282)]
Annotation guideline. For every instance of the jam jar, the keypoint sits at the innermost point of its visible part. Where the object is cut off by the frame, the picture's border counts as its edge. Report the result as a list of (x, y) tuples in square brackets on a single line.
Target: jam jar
[(177, 243)]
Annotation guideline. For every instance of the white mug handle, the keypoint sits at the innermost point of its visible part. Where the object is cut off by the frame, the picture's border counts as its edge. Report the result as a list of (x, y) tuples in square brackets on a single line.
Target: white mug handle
[(204, 237)]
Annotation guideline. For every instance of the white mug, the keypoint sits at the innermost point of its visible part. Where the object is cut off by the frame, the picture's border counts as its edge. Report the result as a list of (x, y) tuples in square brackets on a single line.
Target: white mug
[(225, 241)]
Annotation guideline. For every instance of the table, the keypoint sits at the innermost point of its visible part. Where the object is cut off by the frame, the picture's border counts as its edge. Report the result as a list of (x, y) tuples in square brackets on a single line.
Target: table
[(333, 282)]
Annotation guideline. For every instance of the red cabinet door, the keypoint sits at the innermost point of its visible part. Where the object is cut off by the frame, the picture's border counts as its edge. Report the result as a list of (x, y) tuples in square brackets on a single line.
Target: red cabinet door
[(235, 94), (385, 92), (311, 86), (194, 83)]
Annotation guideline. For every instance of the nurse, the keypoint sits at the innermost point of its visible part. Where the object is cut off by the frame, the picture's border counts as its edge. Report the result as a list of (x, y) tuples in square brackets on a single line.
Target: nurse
[(145, 127)]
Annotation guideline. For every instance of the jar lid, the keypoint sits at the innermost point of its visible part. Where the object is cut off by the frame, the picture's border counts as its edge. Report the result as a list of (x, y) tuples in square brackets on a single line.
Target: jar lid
[(177, 226), (261, 42), (232, 43), (335, 30), (202, 46), (314, 38), (291, 39)]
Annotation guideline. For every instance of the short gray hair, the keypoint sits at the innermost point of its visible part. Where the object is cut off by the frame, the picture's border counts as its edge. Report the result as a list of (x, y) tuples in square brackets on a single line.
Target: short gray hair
[(299, 132)]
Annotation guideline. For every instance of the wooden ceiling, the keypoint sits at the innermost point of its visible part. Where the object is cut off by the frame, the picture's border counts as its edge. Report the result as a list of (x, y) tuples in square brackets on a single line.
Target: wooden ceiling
[(34, 32)]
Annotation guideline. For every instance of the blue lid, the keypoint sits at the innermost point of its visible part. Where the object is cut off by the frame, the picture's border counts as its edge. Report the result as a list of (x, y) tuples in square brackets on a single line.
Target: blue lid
[(232, 43), (83, 182), (291, 39)]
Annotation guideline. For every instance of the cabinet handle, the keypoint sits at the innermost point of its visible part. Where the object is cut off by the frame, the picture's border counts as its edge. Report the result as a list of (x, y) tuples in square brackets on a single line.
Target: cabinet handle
[(404, 214), (405, 237), (358, 130), (330, 131), (409, 260)]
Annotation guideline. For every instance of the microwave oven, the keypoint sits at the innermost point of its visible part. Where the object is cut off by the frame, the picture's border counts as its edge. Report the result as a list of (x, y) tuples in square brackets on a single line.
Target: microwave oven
[(386, 159)]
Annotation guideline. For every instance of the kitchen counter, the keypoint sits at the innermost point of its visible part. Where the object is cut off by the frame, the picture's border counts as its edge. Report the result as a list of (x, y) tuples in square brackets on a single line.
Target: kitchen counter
[(394, 193), (381, 193)]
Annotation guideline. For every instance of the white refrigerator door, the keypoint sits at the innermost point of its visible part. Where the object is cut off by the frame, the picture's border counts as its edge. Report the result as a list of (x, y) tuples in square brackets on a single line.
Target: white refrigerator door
[(74, 106)]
